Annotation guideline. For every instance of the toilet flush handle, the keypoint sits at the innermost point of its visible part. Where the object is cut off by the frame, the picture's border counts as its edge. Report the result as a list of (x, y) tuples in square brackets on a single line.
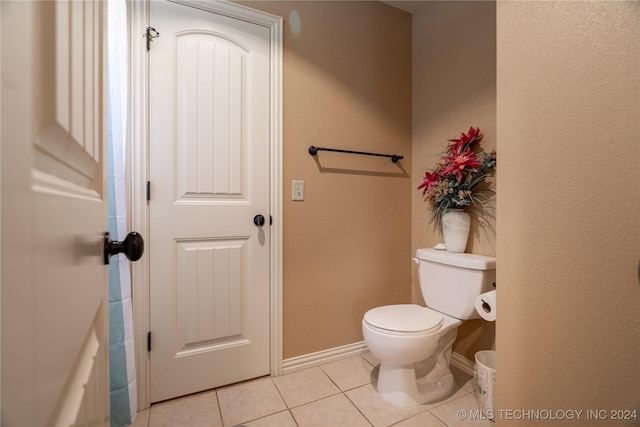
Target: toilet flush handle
[(416, 260)]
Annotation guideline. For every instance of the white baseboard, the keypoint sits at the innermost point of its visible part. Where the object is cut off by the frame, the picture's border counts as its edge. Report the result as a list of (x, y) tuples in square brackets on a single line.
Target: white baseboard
[(462, 363), (318, 358)]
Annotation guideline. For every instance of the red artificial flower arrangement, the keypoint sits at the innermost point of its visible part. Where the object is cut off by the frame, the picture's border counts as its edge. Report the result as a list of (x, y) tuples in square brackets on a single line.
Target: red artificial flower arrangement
[(454, 182)]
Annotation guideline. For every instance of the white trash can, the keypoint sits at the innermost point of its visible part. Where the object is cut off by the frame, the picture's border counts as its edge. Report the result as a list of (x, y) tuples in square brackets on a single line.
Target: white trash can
[(486, 376)]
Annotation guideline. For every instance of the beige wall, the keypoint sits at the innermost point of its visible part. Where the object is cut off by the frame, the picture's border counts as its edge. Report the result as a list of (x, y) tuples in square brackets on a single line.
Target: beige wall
[(454, 87), (347, 84), (568, 207)]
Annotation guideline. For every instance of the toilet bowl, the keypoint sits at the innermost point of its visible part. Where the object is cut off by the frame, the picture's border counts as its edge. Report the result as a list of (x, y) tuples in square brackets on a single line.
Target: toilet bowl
[(400, 348), (414, 343)]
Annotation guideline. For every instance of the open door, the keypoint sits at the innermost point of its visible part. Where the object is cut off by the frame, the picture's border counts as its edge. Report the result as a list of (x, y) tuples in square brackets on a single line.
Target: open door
[(54, 214)]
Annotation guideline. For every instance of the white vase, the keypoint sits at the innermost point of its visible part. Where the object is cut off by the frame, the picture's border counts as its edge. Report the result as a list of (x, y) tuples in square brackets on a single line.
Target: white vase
[(456, 224)]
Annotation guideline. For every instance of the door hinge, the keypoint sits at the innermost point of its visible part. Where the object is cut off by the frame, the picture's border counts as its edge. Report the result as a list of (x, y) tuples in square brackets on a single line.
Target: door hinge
[(148, 191), (151, 34), (149, 341)]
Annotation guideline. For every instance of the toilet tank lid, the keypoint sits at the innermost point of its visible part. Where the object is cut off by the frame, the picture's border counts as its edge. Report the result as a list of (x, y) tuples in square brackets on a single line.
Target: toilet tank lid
[(471, 261)]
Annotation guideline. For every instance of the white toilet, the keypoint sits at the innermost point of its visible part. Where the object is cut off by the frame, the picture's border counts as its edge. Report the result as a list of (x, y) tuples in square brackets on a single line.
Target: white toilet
[(413, 342)]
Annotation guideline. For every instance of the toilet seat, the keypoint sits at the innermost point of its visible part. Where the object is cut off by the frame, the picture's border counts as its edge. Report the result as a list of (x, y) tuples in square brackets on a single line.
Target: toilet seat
[(404, 319)]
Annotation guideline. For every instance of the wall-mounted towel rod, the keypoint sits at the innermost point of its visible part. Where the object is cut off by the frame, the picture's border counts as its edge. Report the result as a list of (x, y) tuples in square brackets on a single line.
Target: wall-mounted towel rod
[(314, 150)]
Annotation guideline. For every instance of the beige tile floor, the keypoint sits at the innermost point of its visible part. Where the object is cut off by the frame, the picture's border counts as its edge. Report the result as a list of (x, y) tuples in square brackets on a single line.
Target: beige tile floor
[(338, 394)]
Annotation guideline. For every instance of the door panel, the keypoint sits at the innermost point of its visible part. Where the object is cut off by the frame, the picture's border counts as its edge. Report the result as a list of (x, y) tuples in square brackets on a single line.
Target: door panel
[(213, 86), (54, 284), (209, 292), (209, 173)]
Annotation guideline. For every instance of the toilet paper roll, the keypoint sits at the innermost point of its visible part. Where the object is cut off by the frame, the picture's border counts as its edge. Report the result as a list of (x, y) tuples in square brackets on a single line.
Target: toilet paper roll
[(486, 305)]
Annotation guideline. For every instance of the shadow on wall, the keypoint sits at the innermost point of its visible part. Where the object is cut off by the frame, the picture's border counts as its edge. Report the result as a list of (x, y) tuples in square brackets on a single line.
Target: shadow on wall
[(483, 222)]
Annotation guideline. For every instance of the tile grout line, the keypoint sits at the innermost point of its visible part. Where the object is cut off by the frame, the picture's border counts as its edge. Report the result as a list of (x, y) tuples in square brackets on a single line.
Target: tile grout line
[(344, 392), (285, 403), (358, 409), (340, 391), (218, 403)]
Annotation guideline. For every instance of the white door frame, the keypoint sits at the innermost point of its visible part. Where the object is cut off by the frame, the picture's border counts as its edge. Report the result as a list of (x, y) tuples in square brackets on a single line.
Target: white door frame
[(138, 12)]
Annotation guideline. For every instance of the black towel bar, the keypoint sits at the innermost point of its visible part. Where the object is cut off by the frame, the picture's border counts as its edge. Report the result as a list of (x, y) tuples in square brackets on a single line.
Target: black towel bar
[(314, 150)]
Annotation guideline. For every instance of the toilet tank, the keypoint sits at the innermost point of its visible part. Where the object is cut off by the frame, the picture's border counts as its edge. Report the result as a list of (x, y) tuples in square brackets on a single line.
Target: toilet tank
[(450, 282)]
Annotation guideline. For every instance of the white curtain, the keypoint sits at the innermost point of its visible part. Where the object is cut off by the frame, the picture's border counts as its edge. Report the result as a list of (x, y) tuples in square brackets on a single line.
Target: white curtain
[(123, 393)]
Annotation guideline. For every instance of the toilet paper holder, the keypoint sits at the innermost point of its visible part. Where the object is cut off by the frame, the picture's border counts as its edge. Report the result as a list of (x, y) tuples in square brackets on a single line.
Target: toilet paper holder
[(486, 307)]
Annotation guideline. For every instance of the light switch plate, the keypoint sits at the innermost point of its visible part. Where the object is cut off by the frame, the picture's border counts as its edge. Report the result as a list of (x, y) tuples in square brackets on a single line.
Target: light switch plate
[(297, 190)]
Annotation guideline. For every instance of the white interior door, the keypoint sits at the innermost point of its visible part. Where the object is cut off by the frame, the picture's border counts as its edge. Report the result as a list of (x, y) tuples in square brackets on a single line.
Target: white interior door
[(54, 283), (209, 173)]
